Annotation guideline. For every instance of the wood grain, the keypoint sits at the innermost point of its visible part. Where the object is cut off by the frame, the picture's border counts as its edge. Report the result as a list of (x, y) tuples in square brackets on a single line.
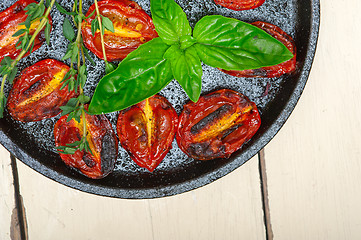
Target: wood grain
[(230, 208), (9, 221), (313, 164)]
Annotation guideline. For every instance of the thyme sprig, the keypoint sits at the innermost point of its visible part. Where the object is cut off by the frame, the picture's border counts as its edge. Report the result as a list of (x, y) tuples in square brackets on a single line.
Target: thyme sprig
[(76, 77), (101, 23), (8, 68)]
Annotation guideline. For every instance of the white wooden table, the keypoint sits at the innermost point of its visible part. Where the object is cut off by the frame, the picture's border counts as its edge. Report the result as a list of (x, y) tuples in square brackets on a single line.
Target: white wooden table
[(311, 178)]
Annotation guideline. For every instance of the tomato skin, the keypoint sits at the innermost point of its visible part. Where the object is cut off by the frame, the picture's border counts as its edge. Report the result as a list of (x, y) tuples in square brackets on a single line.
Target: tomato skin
[(9, 25), (271, 71), (217, 125), (146, 130), (36, 93), (239, 5), (102, 140), (124, 14)]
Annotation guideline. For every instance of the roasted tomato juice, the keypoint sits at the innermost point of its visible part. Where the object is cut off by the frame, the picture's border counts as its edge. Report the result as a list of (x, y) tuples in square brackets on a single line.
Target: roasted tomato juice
[(102, 141), (37, 92), (147, 129), (239, 5), (132, 27), (217, 125), (271, 71), (10, 21)]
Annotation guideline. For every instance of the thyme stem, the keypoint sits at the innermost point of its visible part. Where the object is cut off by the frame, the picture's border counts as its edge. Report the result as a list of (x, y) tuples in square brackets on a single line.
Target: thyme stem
[(101, 32)]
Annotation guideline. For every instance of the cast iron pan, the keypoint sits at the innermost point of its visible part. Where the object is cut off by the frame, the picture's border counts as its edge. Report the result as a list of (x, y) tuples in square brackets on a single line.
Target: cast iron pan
[(33, 143)]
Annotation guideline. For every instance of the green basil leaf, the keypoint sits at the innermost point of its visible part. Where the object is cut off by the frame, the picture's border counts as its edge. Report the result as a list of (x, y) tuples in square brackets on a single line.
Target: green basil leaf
[(187, 70), (143, 73), (169, 20), (68, 30), (230, 44)]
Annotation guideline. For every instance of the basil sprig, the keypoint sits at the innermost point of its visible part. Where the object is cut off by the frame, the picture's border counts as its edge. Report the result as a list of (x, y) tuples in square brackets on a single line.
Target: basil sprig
[(178, 53)]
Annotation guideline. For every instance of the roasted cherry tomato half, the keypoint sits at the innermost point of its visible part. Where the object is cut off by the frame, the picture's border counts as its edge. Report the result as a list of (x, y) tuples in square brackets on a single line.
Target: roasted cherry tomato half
[(10, 21), (132, 27), (271, 71), (240, 5), (217, 125), (36, 94), (102, 142), (146, 130)]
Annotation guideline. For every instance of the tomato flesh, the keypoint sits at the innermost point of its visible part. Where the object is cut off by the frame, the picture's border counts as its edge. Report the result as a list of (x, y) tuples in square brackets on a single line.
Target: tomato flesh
[(102, 141), (217, 125), (10, 20), (132, 27), (271, 71), (240, 5), (146, 130), (36, 94)]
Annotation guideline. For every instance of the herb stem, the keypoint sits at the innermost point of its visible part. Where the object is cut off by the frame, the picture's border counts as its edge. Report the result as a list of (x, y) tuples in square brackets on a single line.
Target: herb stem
[(101, 32), (79, 43)]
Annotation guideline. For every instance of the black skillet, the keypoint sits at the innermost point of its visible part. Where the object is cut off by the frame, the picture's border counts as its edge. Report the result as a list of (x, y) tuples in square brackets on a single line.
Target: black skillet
[(33, 143)]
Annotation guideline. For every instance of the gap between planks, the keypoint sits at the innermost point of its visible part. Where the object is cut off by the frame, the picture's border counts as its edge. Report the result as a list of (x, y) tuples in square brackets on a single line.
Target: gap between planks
[(19, 206), (264, 193)]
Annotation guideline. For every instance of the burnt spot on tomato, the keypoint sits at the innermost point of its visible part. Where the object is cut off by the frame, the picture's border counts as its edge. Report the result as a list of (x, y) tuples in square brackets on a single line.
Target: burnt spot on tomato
[(89, 161), (32, 88), (227, 132), (109, 152), (210, 118)]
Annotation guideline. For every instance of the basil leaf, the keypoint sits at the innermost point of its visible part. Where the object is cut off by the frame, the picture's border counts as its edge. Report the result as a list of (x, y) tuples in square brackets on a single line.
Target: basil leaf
[(187, 70), (169, 20), (234, 45), (143, 73)]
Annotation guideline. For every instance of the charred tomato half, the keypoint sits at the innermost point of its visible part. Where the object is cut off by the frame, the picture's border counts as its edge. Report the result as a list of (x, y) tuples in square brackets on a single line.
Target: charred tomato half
[(10, 20), (240, 5), (132, 27), (36, 93), (217, 125), (102, 142), (146, 130), (271, 71)]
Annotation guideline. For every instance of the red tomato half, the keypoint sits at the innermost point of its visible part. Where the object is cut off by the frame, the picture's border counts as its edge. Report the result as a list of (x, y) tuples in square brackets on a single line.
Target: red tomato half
[(102, 141), (271, 71), (9, 25), (239, 5), (146, 130), (36, 94), (132, 26), (217, 125)]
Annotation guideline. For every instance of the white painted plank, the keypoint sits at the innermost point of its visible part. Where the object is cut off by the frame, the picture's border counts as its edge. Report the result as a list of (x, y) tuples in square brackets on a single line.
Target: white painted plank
[(7, 198), (313, 164), (230, 208)]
